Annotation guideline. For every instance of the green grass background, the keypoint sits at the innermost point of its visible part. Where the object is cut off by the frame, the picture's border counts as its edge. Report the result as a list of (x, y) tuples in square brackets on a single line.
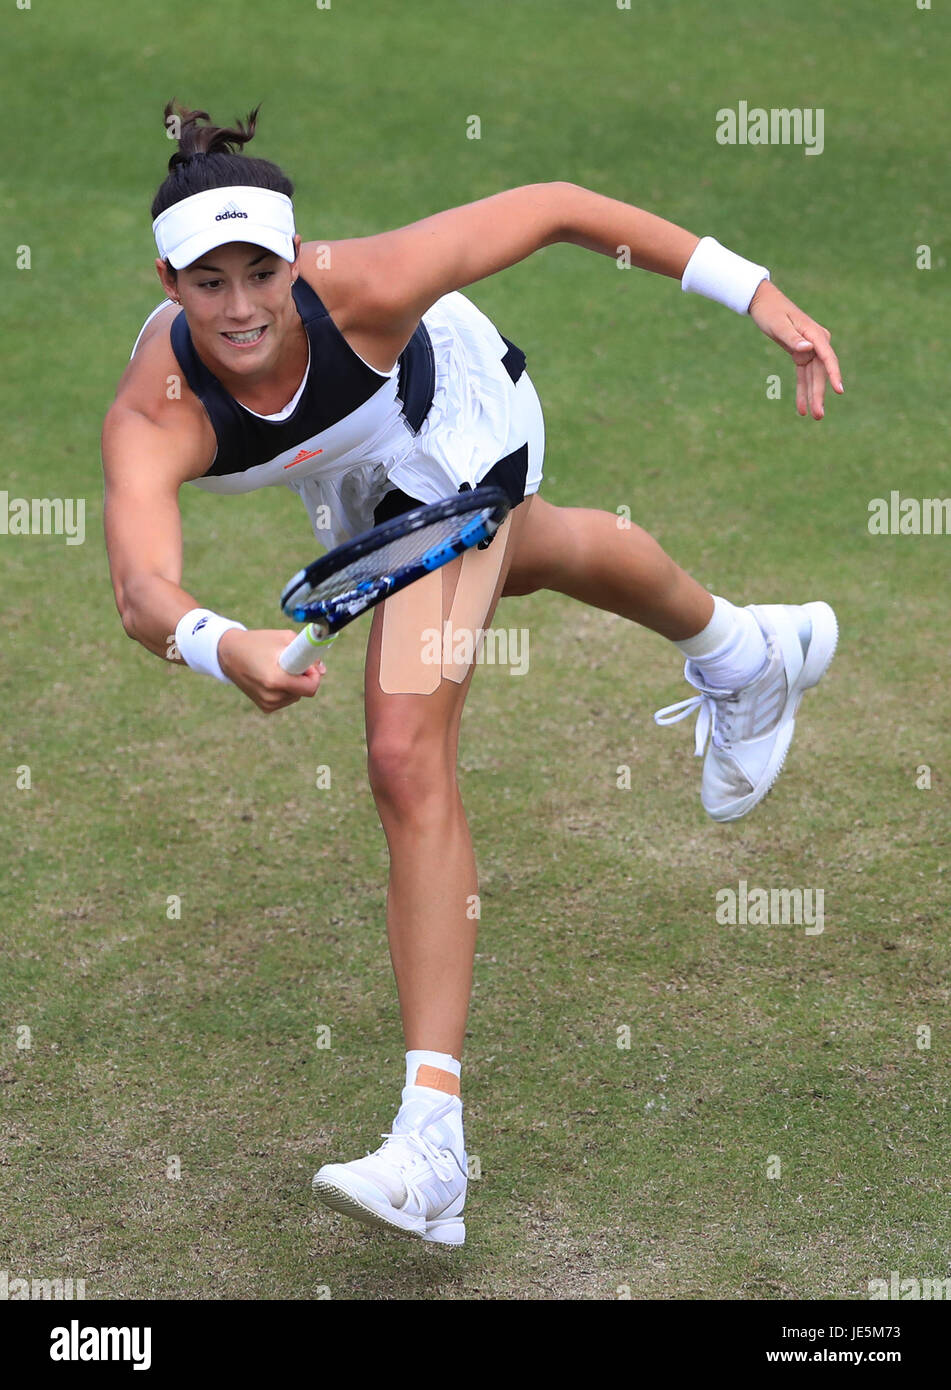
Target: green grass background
[(601, 1167)]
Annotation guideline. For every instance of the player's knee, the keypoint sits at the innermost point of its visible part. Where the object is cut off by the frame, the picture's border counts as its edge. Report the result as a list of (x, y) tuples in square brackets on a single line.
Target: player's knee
[(410, 771)]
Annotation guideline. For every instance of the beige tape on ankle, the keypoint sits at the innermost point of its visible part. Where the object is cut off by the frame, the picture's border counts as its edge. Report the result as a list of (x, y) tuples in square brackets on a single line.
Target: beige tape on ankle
[(437, 1079), (416, 649)]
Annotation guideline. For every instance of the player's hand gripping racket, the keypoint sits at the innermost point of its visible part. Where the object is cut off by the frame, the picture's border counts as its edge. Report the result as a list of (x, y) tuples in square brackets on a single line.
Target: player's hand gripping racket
[(363, 572)]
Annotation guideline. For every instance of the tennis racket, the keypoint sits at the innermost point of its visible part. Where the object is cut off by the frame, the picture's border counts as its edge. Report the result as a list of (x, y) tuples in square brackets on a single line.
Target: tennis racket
[(361, 573)]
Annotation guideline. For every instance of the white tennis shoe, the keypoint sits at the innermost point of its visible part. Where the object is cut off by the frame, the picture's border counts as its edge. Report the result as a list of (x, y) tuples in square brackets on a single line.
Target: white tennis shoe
[(414, 1183), (750, 730)]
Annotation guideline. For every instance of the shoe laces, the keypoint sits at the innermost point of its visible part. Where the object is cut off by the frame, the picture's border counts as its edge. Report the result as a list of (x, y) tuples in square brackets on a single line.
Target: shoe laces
[(405, 1146), (714, 710)]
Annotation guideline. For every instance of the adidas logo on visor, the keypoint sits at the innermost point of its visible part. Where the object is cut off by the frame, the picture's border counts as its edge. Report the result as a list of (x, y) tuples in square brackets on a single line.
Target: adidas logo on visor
[(229, 210)]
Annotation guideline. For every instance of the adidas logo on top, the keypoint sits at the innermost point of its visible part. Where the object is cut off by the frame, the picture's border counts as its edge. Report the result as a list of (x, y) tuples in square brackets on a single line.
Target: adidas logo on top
[(229, 210)]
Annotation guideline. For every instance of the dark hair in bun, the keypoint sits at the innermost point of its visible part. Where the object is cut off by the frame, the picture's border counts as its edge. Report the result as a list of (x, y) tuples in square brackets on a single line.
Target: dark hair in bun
[(209, 156)]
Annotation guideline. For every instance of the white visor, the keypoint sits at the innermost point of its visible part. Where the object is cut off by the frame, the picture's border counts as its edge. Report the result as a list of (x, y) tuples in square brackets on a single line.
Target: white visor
[(197, 224)]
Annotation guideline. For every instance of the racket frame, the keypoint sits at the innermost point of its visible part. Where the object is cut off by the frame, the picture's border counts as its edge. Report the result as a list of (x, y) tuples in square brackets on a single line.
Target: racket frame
[(326, 617)]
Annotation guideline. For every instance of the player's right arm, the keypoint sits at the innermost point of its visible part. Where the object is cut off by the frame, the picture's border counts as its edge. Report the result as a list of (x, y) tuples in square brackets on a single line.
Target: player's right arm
[(145, 462)]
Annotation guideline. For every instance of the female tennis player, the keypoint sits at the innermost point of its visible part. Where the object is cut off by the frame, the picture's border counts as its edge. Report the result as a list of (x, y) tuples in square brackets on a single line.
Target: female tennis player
[(356, 373)]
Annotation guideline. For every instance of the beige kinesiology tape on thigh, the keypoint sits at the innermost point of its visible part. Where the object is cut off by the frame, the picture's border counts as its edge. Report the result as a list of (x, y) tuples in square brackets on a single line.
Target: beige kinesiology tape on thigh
[(414, 629)]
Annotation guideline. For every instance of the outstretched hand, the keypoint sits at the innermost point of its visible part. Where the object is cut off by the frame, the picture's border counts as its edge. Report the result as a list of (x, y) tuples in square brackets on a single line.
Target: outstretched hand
[(807, 343)]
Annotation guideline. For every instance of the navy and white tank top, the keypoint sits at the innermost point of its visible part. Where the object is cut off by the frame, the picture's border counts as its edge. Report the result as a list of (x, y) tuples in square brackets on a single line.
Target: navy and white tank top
[(437, 420)]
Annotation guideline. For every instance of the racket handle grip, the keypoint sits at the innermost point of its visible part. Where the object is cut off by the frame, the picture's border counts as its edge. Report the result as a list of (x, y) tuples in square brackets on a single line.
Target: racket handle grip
[(305, 650)]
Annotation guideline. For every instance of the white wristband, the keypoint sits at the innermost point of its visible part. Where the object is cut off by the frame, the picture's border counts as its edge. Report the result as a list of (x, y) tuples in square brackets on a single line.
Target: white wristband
[(197, 636), (719, 274)]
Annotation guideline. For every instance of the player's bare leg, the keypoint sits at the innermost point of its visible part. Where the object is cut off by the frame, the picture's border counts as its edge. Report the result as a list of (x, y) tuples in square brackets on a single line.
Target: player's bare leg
[(416, 1182), (587, 555), (412, 768), (750, 665), (412, 743)]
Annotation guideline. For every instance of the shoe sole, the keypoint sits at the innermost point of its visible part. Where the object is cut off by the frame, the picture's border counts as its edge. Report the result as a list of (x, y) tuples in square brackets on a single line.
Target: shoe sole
[(442, 1231), (822, 648)]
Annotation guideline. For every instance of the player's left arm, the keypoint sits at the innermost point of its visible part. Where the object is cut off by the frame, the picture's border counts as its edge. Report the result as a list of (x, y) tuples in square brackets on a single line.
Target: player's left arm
[(391, 279)]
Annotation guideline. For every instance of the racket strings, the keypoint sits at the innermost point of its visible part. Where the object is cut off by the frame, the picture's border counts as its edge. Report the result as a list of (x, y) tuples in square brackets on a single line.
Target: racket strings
[(401, 553)]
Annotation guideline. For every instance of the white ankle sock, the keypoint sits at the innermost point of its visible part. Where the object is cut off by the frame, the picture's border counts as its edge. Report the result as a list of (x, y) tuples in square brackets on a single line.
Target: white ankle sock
[(440, 1061), (731, 649)]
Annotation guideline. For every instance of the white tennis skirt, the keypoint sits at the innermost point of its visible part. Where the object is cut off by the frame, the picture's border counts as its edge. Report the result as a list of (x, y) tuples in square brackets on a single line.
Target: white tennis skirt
[(478, 414)]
